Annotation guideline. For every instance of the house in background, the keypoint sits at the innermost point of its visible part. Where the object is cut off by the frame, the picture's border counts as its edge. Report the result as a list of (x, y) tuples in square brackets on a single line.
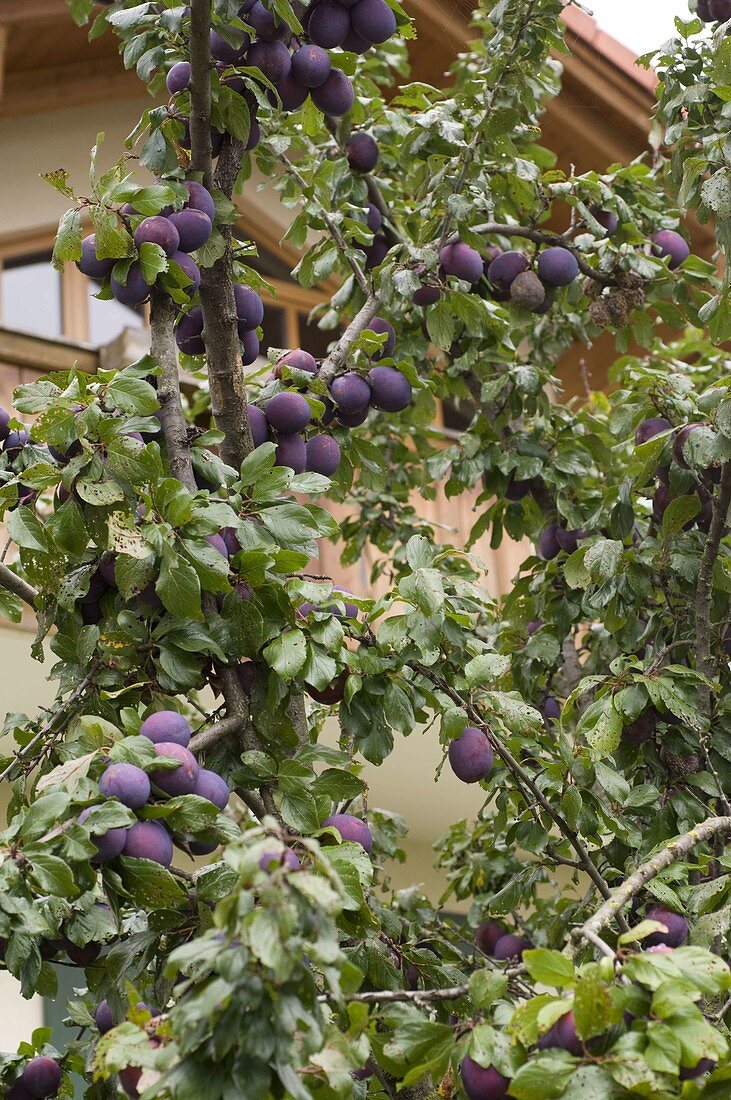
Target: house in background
[(57, 92)]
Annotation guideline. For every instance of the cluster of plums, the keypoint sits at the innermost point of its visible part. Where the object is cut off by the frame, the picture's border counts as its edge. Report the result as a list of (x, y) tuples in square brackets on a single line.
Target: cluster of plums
[(510, 275), (41, 1077), (133, 787), (492, 939), (297, 67), (664, 495), (177, 232), (287, 416), (190, 334)]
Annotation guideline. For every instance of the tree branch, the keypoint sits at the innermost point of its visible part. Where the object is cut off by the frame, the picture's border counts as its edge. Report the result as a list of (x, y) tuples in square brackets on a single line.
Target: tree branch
[(219, 731), (336, 359), (16, 585), (332, 226), (398, 996), (200, 90), (487, 229), (220, 327), (705, 662), (525, 780), (673, 852), (165, 352)]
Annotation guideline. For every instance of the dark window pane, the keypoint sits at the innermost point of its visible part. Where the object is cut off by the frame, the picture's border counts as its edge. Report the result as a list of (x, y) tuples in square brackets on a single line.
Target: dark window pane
[(108, 319), (313, 339), (30, 295), (275, 329)]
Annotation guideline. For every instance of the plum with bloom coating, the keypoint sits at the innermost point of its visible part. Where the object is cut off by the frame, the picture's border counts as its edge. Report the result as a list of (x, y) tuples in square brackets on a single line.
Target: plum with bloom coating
[(167, 725), (670, 245), (108, 844), (557, 266), (351, 829), (149, 840), (488, 934), (127, 783), (89, 264), (350, 392), (362, 151), (480, 1083), (390, 390), (286, 858), (213, 787), (336, 96), (323, 455), (288, 412), (178, 780), (42, 1076), (461, 261), (470, 755)]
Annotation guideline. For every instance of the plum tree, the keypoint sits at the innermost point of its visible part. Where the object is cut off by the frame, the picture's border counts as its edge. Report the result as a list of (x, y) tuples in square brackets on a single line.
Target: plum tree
[(149, 840), (362, 151), (471, 755), (127, 783), (351, 828), (482, 1083), (174, 576)]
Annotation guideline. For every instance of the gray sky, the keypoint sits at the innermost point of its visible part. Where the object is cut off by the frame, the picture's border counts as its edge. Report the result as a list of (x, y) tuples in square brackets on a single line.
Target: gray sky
[(639, 24)]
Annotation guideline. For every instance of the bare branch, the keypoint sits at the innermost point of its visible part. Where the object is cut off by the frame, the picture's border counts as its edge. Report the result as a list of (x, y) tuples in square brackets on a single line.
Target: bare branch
[(336, 359), (676, 850), (409, 996), (216, 733), (16, 585)]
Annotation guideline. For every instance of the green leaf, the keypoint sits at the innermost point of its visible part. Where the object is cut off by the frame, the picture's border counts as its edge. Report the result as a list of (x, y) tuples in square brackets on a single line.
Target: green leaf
[(27, 531), (150, 884), (67, 245), (287, 654), (132, 395), (549, 967), (178, 586)]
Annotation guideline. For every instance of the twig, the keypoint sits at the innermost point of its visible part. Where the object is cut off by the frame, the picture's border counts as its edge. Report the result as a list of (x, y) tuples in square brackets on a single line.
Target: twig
[(600, 945), (673, 852), (332, 226), (51, 726), (16, 585), (397, 996), (526, 781)]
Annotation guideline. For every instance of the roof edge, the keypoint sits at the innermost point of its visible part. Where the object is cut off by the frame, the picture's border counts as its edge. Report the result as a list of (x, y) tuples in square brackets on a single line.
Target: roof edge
[(586, 28)]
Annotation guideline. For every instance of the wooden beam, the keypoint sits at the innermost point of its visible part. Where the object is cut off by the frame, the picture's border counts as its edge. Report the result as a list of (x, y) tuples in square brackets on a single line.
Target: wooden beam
[(25, 11), (38, 353), (72, 85), (3, 57)]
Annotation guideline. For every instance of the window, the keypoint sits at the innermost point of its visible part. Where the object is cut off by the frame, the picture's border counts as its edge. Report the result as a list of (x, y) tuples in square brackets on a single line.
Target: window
[(30, 294), (108, 319)]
